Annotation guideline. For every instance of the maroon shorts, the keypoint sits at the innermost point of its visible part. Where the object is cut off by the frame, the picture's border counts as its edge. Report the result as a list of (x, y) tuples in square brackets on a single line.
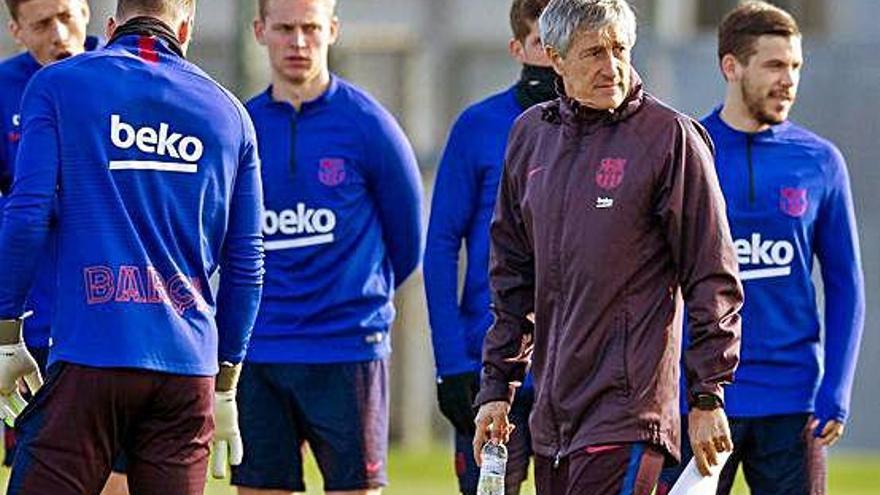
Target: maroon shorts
[(624, 469), (72, 429)]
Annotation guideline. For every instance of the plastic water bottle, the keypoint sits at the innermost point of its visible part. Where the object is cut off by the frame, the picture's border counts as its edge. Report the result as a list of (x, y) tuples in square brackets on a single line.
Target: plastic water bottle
[(492, 470)]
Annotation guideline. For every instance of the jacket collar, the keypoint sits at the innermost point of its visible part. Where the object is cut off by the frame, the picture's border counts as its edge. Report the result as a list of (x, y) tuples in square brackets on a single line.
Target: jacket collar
[(577, 115)]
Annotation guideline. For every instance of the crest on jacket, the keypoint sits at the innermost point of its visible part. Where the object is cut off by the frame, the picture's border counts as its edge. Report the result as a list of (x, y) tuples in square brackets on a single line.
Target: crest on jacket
[(793, 201), (331, 171), (610, 173)]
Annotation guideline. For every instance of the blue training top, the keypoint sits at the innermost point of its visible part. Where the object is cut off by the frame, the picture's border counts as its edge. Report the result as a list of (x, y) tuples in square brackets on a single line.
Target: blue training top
[(343, 226), (15, 73), (155, 171), (463, 202), (788, 201)]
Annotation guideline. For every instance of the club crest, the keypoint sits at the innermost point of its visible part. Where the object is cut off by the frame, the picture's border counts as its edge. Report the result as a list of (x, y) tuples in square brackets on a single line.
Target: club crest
[(610, 173), (793, 201), (331, 171)]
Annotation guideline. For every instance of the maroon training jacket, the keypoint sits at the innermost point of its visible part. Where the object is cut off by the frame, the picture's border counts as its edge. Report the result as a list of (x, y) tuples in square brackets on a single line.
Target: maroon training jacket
[(603, 221)]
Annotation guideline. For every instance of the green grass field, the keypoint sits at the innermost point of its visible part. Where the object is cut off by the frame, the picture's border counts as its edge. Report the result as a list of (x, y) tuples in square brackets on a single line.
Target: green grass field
[(430, 473)]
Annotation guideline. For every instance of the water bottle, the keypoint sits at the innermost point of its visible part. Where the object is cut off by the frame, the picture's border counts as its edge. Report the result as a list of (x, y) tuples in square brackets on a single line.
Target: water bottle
[(493, 469)]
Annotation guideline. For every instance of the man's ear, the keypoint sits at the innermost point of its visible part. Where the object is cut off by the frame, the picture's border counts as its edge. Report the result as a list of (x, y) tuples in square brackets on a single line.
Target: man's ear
[(334, 30), (260, 30), (517, 50), (86, 11), (185, 31), (14, 30), (730, 68), (555, 59), (110, 28)]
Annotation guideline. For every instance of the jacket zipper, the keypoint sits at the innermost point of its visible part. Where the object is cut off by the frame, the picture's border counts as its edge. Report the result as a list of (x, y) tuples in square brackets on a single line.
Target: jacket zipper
[(558, 296), (292, 164), (749, 138)]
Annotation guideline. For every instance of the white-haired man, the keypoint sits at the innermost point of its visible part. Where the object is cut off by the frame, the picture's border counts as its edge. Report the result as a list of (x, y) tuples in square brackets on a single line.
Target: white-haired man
[(608, 212)]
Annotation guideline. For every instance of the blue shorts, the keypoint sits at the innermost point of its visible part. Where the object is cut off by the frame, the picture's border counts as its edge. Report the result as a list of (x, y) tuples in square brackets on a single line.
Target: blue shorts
[(778, 455), (519, 450), (340, 410)]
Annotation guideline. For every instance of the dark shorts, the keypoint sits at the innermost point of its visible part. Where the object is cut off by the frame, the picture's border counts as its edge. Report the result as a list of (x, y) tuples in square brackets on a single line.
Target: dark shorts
[(340, 410), (519, 450), (623, 469), (41, 356), (81, 417), (778, 456)]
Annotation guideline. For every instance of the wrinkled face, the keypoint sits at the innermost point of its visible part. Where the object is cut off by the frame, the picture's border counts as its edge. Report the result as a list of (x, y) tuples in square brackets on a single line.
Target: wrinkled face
[(596, 69), (298, 35), (51, 29), (769, 81), (530, 50)]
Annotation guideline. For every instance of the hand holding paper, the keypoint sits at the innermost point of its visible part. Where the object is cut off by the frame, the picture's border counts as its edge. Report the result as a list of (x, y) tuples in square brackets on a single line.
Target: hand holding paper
[(691, 482)]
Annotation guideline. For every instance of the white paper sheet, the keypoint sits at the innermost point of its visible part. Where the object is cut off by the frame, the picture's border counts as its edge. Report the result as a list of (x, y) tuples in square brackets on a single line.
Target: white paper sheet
[(691, 482)]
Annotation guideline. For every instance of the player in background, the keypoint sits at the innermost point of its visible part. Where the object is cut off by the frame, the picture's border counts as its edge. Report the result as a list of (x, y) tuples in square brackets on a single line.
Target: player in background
[(788, 203), (155, 175), (49, 30), (461, 210), (343, 228)]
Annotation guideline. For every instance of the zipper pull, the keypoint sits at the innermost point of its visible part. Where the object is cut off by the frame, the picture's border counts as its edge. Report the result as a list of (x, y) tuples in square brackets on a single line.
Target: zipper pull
[(556, 461)]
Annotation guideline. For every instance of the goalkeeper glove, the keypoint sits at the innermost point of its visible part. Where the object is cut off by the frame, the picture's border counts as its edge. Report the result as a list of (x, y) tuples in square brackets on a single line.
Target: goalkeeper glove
[(15, 363), (227, 447)]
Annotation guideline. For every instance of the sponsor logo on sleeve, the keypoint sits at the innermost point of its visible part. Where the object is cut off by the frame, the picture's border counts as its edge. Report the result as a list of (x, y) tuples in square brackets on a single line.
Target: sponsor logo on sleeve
[(172, 151), (760, 259)]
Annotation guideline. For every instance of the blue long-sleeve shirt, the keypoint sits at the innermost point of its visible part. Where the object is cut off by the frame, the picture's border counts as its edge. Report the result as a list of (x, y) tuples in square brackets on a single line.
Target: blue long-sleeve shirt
[(155, 172), (464, 197), (343, 226), (15, 73), (788, 203)]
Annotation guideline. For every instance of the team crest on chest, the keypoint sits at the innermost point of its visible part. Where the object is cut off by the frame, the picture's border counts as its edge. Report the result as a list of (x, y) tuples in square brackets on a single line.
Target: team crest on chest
[(610, 173), (793, 201), (331, 171)]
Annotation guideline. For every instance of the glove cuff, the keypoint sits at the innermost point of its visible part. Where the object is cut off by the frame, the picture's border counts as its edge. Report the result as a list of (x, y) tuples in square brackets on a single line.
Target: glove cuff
[(11, 330), (227, 378)]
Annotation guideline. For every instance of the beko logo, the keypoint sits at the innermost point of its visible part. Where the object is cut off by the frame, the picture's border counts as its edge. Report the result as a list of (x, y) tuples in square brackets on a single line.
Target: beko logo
[(316, 224), (163, 142), (763, 259)]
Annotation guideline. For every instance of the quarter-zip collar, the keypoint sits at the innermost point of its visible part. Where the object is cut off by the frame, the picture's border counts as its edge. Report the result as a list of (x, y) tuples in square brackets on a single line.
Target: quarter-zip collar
[(750, 139), (321, 101), (293, 114), (770, 133)]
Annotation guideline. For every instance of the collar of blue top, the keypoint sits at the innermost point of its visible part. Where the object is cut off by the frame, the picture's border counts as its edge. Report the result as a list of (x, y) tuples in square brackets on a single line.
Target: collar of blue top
[(150, 27)]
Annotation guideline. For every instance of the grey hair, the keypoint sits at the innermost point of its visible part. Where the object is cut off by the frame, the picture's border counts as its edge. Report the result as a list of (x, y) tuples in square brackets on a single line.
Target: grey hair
[(562, 19)]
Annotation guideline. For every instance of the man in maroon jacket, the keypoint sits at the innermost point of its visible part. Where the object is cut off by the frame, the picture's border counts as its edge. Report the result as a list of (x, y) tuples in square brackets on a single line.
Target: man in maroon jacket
[(609, 211)]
